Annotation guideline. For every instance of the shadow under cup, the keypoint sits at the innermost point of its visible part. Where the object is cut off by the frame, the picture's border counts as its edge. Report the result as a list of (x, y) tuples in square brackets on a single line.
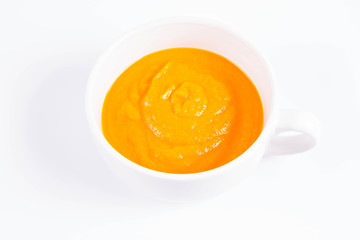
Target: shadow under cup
[(171, 34)]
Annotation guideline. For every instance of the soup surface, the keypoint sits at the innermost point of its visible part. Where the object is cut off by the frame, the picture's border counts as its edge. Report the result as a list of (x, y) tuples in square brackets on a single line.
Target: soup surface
[(182, 110)]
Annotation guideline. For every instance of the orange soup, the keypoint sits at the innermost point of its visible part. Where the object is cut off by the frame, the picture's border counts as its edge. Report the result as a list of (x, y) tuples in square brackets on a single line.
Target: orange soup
[(182, 110)]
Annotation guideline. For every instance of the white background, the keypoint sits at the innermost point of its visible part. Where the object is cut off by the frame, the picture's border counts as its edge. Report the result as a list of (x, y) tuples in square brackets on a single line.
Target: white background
[(53, 184)]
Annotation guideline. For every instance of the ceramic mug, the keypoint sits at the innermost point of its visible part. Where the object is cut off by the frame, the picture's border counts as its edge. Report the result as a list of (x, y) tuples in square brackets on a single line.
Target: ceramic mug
[(215, 37)]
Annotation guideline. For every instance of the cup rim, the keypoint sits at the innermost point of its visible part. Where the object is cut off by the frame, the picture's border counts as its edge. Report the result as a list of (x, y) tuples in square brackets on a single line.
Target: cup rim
[(267, 129)]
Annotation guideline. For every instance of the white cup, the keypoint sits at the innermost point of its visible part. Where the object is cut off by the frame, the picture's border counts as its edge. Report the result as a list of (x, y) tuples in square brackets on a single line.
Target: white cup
[(204, 34)]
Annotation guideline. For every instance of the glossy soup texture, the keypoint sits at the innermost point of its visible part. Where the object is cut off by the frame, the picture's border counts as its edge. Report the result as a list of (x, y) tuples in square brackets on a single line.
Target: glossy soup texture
[(182, 110)]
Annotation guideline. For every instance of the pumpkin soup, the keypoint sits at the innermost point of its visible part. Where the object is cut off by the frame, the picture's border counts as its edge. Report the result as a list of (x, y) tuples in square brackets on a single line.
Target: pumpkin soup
[(182, 110)]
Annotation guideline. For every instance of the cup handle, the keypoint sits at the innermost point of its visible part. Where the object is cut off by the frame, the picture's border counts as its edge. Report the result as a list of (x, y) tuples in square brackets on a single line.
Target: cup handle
[(297, 131)]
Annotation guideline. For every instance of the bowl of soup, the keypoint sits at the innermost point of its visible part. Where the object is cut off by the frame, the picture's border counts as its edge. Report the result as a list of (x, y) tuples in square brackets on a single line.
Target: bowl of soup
[(183, 109)]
